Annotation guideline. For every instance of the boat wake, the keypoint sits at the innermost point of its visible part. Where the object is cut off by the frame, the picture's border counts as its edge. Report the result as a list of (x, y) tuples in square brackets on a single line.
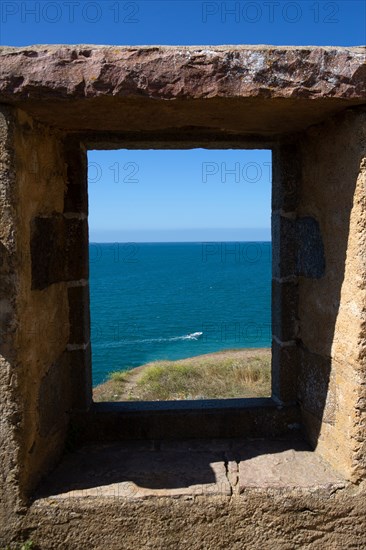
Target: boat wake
[(125, 342), (193, 336)]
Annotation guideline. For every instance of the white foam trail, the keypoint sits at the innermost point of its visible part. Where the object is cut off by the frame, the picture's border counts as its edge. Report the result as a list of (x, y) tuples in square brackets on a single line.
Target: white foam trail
[(191, 336)]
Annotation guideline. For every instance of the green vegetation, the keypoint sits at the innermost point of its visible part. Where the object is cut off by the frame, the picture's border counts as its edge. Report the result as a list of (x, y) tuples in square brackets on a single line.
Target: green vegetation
[(119, 376), (227, 374), (207, 379)]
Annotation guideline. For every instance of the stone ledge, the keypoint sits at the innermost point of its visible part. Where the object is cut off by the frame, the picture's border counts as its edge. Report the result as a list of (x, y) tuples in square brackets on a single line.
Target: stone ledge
[(258, 518), (181, 469)]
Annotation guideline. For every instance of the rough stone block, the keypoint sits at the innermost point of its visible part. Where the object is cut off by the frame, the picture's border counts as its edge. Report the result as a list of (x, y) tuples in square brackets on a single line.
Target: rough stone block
[(78, 365), (52, 406), (297, 247), (76, 194), (76, 249), (310, 249), (126, 421), (286, 167), (47, 251), (59, 250), (284, 371), (283, 247), (79, 314), (284, 310), (76, 198), (287, 466), (317, 392), (253, 89)]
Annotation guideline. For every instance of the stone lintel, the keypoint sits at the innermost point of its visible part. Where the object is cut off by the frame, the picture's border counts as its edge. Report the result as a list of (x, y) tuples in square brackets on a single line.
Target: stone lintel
[(115, 88)]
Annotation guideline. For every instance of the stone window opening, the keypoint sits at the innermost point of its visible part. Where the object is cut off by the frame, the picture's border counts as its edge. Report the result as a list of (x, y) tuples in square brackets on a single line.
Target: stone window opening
[(123, 180), (310, 433)]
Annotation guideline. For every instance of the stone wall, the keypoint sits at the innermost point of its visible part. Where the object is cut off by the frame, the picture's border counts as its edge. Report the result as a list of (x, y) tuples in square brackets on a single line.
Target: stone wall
[(308, 106), (285, 191), (43, 346), (10, 408), (332, 307), (259, 518)]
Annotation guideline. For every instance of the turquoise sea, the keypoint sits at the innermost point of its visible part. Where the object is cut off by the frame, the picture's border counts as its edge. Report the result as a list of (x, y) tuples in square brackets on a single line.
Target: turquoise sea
[(174, 300)]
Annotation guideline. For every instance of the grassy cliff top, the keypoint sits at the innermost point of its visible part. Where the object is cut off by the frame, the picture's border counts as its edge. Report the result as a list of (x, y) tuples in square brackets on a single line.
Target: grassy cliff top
[(224, 374)]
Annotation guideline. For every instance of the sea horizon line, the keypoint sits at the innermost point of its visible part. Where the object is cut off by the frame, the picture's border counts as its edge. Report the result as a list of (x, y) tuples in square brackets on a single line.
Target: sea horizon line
[(180, 242)]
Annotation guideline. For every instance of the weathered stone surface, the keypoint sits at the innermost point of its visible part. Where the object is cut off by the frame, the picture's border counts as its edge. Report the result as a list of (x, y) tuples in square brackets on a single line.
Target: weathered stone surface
[(58, 250), (286, 175), (214, 88), (36, 330), (332, 308), (314, 386), (285, 466), (10, 408), (53, 403), (298, 246), (197, 494), (79, 314), (310, 260), (284, 310), (242, 71), (188, 468), (259, 518), (76, 193), (78, 365), (190, 419), (285, 371), (66, 99), (121, 470), (284, 252)]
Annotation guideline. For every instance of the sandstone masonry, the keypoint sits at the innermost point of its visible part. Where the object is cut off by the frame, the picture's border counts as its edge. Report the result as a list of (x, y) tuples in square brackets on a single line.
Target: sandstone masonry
[(309, 106)]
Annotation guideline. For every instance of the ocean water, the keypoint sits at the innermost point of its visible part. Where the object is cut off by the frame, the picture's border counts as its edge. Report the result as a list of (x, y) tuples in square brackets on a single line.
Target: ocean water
[(174, 300)]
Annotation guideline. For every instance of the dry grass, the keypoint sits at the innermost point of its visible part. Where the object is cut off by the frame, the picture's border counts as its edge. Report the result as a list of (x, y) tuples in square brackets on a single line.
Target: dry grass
[(228, 374)]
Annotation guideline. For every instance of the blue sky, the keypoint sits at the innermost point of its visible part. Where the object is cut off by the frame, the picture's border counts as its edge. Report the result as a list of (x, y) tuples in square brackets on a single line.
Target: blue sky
[(186, 195), (300, 22), (181, 195)]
